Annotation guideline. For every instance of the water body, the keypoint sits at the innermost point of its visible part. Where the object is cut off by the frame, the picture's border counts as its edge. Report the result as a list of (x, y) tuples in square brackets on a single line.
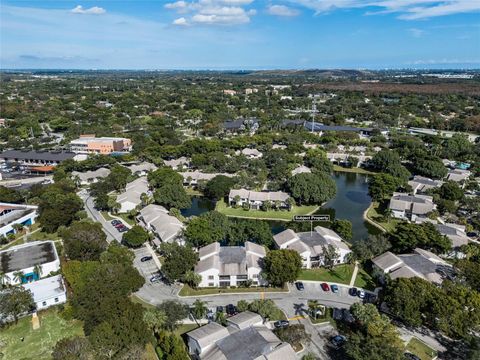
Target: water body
[(350, 203)]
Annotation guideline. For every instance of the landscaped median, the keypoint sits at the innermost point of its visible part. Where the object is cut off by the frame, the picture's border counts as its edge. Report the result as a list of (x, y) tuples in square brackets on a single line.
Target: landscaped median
[(188, 291), (422, 350), (281, 215)]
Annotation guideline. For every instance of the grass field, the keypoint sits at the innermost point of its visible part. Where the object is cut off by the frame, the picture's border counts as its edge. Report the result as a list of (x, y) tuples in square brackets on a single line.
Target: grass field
[(37, 344), (265, 215), (340, 274), (364, 280), (184, 328), (355, 170), (422, 350), (188, 291), (375, 214)]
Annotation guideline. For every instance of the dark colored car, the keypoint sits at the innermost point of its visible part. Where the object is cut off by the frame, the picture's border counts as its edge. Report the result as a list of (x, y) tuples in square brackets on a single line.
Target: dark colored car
[(325, 287), (353, 291), (334, 288), (115, 222), (123, 229), (146, 258), (231, 309), (281, 324), (220, 309), (410, 356), (156, 278), (299, 286), (338, 340)]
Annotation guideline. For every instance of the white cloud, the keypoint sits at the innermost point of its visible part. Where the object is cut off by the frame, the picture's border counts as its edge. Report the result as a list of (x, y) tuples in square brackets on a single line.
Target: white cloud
[(95, 10), (416, 32), (211, 12), (406, 9), (180, 22), (282, 10)]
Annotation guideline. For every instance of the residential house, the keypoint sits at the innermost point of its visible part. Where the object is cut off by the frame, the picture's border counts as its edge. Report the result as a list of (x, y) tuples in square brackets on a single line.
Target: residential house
[(411, 207), (175, 164), (29, 262), (320, 129), (300, 170), (458, 175), (422, 184), (343, 158), (456, 233), (310, 245), (142, 169), (166, 228), (91, 177), (230, 92), (223, 266), (250, 153), (48, 291), (422, 263), (132, 196), (13, 214), (250, 125), (244, 338), (255, 199), (90, 144), (192, 178)]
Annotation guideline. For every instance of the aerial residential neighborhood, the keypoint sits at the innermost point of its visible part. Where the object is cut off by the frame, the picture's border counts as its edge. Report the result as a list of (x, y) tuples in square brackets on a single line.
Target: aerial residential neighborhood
[(240, 180)]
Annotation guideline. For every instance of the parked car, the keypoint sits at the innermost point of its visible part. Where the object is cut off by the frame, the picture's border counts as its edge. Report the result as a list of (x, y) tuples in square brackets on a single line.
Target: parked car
[(410, 356), (156, 278), (119, 224), (122, 229), (115, 222), (325, 287), (299, 286), (334, 288), (361, 293), (231, 309), (219, 309), (281, 324), (146, 258), (338, 340), (353, 291)]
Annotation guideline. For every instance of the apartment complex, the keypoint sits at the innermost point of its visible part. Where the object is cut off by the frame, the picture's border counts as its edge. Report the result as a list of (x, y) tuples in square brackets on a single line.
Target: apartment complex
[(132, 196), (411, 207), (223, 266), (255, 199), (89, 144), (166, 228), (14, 214)]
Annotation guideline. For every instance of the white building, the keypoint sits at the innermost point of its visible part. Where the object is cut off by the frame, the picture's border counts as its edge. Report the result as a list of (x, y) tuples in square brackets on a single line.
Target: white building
[(421, 184), (142, 169), (244, 338), (301, 170), (192, 178), (223, 266), (166, 228), (48, 292), (175, 164), (91, 177), (19, 263), (255, 199), (131, 197), (311, 245), (11, 214), (250, 153), (411, 207), (455, 232), (458, 175)]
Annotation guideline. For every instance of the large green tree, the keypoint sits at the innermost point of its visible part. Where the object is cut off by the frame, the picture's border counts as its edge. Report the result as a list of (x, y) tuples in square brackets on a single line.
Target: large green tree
[(207, 228), (178, 260), (135, 237), (84, 240), (312, 188), (382, 186), (282, 266), (15, 302), (408, 236), (343, 228), (218, 187)]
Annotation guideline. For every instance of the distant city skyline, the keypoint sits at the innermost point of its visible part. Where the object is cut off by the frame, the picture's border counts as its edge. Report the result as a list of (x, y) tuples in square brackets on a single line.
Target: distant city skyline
[(240, 34)]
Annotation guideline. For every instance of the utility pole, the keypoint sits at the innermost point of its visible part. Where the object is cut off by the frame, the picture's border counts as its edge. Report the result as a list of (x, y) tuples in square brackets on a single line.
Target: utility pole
[(314, 110)]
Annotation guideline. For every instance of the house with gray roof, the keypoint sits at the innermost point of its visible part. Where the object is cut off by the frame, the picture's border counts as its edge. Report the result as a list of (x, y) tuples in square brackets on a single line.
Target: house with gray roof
[(458, 175), (165, 227), (311, 245), (301, 170), (455, 232), (250, 153), (244, 338), (91, 177), (132, 195), (223, 266), (411, 207), (422, 263), (192, 178), (422, 184), (175, 164), (142, 169), (255, 199)]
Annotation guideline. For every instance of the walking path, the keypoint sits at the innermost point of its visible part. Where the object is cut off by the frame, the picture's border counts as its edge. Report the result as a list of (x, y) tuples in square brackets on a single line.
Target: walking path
[(354, 275)]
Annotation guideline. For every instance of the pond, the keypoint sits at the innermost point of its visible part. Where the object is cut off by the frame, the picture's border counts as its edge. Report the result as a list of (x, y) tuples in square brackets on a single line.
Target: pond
[(350, 203)]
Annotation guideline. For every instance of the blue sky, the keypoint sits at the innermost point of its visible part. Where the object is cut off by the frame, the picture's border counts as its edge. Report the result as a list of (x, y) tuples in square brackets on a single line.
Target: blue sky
[(240, 34)]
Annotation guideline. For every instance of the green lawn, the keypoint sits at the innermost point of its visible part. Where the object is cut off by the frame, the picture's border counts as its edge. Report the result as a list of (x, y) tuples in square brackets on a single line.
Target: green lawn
[(184, 328), (356, 170), (281, 215), (422, 350), (339, 274), (37, 344), (364, 280), (188, 291), (106, 216), (375, 213), (127, 219)]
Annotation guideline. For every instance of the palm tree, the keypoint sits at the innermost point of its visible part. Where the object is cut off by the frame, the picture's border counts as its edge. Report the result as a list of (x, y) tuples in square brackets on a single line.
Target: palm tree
[(18, 276), (155, 319), (4, 278), (38, 270), (388, 213), (312, 307), (145, 199), (220, 318), (199, 309), (18, 227)]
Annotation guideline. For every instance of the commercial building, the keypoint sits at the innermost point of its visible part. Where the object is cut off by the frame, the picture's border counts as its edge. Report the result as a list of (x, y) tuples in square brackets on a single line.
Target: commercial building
[(411, 207), (255, 199), (422, 263), (312, 244), (223, 266), (422, 184), (91, 177), (29, 262), (244, 338), (166, 228), (48, 292), (37, 161), (89, 144), (13, 214), (132, 196)]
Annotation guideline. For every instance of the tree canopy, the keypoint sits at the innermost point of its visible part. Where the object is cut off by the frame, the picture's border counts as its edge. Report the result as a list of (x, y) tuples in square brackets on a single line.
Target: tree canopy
[(84, 240), (135, 237), (282, 266), (312, 188)]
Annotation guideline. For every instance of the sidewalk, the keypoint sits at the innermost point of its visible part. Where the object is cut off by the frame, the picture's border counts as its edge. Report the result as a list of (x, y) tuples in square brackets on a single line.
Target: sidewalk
[(354, 275)]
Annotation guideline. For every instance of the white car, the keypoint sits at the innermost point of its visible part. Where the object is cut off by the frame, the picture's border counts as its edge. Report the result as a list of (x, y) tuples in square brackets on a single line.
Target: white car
[(361, 293)]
